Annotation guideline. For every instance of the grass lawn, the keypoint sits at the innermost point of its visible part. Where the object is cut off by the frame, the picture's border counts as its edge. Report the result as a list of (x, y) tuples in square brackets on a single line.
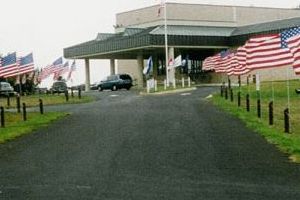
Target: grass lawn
[(15, 127), (33, 100), (289, 143)]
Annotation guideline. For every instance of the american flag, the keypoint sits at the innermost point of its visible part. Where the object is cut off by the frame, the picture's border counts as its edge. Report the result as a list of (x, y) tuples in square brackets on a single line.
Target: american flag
[(57, 65), (241, 68), (26, 64), (224, 62), (266, 52), (233, 63), (161, 6), (61, 71), (45, 73), (50, 69), (211, 62), (9, 65), (72, 69), (291, 39)]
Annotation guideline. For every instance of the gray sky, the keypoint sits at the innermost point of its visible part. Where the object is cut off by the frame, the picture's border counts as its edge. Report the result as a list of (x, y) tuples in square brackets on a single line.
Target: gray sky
[(45, 27)]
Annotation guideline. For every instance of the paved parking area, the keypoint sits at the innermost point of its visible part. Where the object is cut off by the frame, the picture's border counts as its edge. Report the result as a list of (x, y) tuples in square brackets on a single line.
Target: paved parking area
[(127, 146)]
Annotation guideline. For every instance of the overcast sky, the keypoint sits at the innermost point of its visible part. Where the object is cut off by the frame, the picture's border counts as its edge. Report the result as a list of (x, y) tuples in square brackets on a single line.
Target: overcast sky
[(46, 27)]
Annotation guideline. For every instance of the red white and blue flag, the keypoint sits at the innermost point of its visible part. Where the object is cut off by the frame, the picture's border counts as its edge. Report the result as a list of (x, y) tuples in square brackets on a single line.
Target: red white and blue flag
[(61, 71), (9, 65), (241, 68), (291, 39), (26, 64), (266, 52), (72, 69), (211, 62)]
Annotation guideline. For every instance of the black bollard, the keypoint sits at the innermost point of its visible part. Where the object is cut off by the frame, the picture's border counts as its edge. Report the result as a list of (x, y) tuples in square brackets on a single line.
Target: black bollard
[(226, 93), (239, 99), (18, 103), (8, 100), (2, 117), (222, 91), (271, 113), (41, 106), (72, 92), (24, 112), (67, 95), (286, 121), (231, 95), (229, 83), (248, 103), (79, 93), (258, 108)]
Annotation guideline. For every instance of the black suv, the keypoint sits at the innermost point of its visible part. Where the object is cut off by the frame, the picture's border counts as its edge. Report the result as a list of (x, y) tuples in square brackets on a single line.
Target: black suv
[(59, 87), (115, 82)]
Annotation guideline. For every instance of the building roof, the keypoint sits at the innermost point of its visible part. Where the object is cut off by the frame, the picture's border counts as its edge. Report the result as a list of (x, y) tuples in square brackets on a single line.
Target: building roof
[(194, 31), (188, 36), (272, 26)]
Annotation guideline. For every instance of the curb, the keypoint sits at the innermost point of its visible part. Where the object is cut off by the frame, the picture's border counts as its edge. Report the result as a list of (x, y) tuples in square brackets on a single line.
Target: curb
[(170, 91)]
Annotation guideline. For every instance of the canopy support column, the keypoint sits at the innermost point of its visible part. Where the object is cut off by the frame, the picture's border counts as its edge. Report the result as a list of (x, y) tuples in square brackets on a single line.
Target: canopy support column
[(112, 67), (87, 74), (140, 62)]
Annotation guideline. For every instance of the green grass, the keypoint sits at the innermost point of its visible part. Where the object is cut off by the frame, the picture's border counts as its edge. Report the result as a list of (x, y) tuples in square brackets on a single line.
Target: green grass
[(15, 127), (288, 143), (33, 100)]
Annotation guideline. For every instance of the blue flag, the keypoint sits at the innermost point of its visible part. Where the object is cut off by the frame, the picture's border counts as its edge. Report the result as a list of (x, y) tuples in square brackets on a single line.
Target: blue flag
[(149, 66)]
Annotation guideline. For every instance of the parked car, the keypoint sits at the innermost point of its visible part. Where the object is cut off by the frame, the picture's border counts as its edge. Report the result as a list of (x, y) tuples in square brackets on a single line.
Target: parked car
[(59, 87), (6, 89), (115, 82), (94, 86)]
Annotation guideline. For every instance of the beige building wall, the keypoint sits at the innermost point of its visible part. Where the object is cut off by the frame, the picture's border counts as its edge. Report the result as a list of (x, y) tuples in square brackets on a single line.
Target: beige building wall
[(202, 15), (129, 67)]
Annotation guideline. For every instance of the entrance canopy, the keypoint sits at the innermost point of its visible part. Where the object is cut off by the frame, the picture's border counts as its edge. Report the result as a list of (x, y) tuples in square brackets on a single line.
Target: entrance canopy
[(132, 41)]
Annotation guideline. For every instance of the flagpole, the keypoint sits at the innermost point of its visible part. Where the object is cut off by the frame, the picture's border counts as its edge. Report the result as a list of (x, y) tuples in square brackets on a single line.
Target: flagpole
[(166, 42)]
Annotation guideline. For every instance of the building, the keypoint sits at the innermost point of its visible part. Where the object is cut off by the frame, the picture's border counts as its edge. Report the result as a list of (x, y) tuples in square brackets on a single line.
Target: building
[(194, 31)]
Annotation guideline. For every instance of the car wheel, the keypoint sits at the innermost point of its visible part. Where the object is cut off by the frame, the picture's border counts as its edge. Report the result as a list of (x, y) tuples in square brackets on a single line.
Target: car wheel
[(127, 88), (114, 88), (100, 89)]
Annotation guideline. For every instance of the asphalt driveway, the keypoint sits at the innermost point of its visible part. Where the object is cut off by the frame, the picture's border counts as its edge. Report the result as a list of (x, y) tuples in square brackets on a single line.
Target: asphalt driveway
[(127, 146)]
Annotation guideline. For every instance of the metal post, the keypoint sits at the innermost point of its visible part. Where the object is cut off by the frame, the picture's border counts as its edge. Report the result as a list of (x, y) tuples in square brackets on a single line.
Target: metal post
[(222, 91), (8, 100), (18, 103), (41, 106), (67, 95), (72, 92), (231, 95), (248, 102), (79, 93), (239, 99), (286, 121), (2, 117), (229, 83), (226, 93), (24, 112), (174, 83), (258, 108), (271, 113)]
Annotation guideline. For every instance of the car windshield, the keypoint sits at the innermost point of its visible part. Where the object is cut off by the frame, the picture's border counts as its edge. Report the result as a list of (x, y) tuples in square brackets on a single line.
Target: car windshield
[(56, 84), (125, 77)]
